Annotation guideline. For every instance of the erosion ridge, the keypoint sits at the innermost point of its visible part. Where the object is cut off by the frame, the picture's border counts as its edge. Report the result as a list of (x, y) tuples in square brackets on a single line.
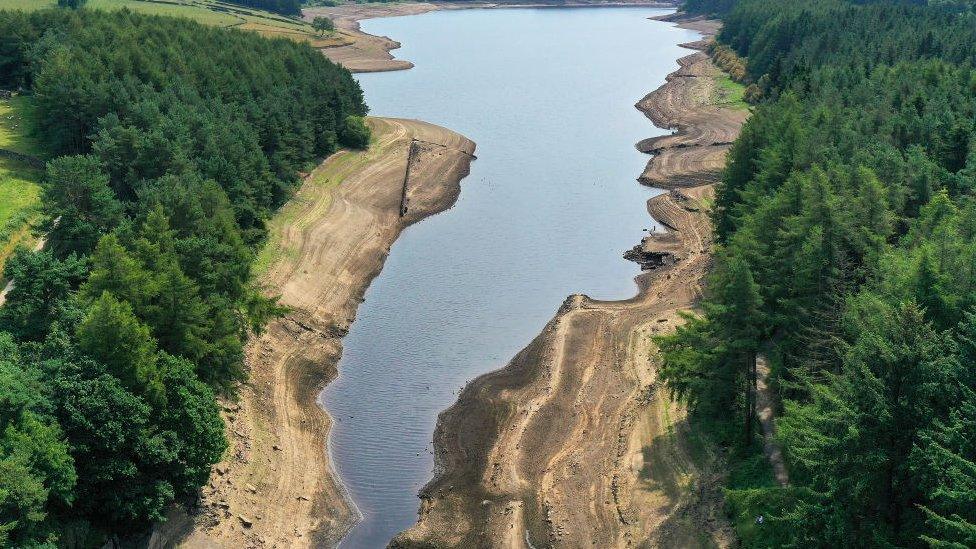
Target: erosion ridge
[(573, 443), (276, 486)]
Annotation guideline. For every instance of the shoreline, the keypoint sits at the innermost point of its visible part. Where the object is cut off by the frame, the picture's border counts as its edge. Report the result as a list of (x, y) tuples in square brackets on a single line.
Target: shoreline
[(573, 443), (365, 52), (276, 485)]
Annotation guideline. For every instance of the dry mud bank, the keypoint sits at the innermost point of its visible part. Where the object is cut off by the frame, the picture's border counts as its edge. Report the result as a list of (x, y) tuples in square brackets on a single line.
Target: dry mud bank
[(276, 486), (574, 443), (362, 52)]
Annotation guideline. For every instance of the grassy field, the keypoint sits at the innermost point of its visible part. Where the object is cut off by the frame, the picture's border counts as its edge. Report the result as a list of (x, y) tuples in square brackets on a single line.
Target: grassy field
[(730, 93), (19, 200), (16, 127), (208, 12), (19, 189)]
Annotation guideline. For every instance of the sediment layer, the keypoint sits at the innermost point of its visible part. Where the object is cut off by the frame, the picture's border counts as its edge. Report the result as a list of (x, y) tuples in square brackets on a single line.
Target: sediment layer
[(574, 443), (687, 104), (276, 486), (364, 52)]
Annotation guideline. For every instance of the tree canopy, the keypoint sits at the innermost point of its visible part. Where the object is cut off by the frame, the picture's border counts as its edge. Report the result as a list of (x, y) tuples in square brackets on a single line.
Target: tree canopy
[(849, 199), (173, 143)]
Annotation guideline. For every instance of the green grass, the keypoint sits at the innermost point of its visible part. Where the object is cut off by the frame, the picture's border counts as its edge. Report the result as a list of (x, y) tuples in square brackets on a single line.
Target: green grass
[(17, 127), (19, 188), (750, 487), (730, 94), (26, 5), (208, 12), (20, 196), (315, 195), (313, 191)]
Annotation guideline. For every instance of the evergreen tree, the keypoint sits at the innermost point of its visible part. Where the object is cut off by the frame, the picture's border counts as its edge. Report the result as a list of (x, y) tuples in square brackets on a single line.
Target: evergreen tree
[(41, 282), (79, 203), (112, 335), (851, 444), (35, 468)]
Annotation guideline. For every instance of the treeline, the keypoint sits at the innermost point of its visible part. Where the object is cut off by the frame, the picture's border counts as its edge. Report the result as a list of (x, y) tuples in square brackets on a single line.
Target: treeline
[(286, 7), (174, 143), (846, 224)]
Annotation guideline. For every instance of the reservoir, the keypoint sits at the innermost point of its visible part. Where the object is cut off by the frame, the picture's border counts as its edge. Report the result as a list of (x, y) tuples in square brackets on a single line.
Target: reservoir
[(550, 206)]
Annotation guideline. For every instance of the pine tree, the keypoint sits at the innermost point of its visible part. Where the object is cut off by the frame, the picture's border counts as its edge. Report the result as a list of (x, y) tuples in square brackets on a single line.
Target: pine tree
[(738, 317), (851, 444), (112, 335)]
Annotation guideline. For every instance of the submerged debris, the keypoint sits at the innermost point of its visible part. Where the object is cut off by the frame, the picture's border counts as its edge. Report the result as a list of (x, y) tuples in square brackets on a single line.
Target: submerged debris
[(649, 260)]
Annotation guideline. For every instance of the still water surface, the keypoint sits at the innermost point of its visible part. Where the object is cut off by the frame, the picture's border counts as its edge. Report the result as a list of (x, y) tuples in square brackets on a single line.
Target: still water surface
[(549, 207)]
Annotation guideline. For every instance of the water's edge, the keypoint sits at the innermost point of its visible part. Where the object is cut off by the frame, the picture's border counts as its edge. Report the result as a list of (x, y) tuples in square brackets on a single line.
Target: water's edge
[(336, 416)]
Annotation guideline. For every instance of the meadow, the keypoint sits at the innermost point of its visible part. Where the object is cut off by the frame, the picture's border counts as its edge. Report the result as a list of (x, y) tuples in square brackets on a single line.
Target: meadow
[(208, 12), (19, 189)]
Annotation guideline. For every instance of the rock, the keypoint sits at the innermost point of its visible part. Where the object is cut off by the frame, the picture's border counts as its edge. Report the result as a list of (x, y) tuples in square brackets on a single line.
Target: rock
[(245, 521), (649, 260), (251, 488)]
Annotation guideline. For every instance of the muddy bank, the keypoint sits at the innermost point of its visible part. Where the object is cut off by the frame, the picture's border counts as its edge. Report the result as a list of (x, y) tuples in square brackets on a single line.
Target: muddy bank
[(276, 486), (362, 52), (573, 443)]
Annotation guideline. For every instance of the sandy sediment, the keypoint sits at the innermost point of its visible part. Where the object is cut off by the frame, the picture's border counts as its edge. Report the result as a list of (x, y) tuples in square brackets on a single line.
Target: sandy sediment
[(362, 52), (574, 443), (686, 104), (276, 486)]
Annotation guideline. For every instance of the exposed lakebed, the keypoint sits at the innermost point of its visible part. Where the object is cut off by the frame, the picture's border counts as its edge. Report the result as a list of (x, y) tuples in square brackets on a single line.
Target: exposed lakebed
[(548, 210)]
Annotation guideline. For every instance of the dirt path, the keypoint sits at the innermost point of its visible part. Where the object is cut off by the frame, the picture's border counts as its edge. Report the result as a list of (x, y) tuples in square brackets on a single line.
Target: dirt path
[(764, 410), (276, 486), (573, 444), (362, 52)]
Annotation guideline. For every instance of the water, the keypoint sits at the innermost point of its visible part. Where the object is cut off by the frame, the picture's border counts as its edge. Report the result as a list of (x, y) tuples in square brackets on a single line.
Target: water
[(549, 207)]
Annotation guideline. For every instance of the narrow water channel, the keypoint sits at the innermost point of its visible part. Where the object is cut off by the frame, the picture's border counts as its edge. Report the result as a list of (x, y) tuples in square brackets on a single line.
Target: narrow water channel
[(550, 206)]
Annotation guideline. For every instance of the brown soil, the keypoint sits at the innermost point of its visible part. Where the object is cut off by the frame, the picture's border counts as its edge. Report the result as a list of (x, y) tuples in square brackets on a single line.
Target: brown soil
[(685, 103), (574, 443), (362, 52), (276, 487)]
